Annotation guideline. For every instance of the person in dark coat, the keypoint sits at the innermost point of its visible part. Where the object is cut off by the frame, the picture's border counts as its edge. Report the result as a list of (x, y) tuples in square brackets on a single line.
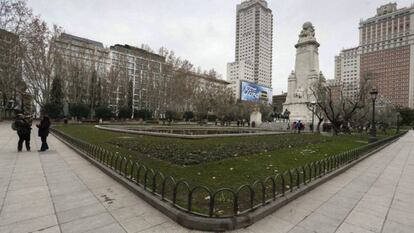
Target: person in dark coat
[(23, 129), (299, 126), (44, 132)]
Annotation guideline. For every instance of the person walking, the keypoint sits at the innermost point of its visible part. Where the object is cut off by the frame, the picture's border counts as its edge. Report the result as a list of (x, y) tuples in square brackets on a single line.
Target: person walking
[(44, 132), (299, 126), (294, 126), (23, 129)]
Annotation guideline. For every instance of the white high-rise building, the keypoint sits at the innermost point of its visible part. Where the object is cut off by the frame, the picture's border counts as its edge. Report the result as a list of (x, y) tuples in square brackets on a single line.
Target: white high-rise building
[(254, 35), (347, 66)]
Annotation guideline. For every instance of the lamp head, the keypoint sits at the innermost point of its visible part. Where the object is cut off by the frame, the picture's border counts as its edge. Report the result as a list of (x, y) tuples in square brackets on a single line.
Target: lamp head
[(374, 94)]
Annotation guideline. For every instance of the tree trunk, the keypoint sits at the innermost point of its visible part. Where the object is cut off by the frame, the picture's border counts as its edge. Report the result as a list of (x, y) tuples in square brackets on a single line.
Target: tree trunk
[(335, 130), (318, 128)]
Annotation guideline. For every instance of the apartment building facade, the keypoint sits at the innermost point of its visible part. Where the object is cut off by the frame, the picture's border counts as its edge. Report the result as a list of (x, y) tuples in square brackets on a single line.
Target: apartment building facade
[(127, 75), (347, 70), (148, 73), (80, 61), (387, 53), (10, 72)]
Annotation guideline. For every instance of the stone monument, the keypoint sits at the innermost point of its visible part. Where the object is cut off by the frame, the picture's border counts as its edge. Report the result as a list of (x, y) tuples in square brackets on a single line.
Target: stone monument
[(256, 117), (306, 73)]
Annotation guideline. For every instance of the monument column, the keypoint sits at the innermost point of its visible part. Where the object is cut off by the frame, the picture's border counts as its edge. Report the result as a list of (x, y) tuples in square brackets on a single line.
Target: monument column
[(304, 76)]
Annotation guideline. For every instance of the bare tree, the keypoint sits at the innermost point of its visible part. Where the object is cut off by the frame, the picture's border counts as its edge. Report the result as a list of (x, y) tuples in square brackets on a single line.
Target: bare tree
[(163, 51), (338, 108), (170, 59), (186, 65), (15, 16), (120, 84), (76, 75), (147, 48), (319, 114), (181, 89), (212, 73), (224, 102), (34, 46), (386, 114), (204, 101), (39, 62)]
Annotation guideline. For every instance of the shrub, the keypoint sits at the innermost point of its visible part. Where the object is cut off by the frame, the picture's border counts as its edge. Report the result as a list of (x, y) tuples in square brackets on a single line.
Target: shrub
[(152, 122), (407, 116), (171, 115), (79, 110), (188, 116), (125, 112), (143, 114), (211, 117), (53, 110), (103, 112)]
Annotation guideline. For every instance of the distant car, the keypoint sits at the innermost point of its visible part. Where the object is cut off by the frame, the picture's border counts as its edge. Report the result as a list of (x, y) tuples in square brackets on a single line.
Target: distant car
[(263, 96)]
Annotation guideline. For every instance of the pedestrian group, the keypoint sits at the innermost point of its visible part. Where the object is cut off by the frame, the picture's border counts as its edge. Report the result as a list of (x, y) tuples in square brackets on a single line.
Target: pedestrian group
[(298, 126), (23, 126)]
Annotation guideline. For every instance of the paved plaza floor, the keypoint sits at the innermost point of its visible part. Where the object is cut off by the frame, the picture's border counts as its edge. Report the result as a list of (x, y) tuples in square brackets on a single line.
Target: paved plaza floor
[(59, 191)]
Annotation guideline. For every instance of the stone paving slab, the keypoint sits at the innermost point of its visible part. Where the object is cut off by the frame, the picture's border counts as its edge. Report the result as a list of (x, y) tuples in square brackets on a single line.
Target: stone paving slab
[(58, 191), (374, 196)]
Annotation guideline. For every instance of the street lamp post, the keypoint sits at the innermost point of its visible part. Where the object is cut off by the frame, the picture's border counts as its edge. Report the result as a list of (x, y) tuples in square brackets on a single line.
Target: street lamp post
[(373, 136), (398, 122)]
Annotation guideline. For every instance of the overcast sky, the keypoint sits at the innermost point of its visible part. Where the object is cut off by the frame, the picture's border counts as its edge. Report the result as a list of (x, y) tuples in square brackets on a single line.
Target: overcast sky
[(203, 31)]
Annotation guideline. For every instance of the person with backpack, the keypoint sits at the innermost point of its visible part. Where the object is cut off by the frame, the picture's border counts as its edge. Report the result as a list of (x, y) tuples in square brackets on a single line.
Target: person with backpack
[(23, 128), (44, 132)]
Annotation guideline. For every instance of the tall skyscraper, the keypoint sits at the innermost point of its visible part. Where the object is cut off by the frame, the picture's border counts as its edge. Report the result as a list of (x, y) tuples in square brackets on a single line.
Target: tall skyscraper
[(254, 35)]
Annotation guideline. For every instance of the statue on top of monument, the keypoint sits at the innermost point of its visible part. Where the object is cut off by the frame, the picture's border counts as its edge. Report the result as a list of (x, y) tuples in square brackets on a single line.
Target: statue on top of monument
[(308, 30), (307, 33)]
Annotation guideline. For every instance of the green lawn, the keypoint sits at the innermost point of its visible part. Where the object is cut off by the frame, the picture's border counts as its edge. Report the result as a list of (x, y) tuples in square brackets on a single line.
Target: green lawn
[(219, 162)]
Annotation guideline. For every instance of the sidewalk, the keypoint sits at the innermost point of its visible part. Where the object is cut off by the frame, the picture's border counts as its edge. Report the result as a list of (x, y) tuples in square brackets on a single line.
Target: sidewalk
[(59, 191), (376, 195)]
